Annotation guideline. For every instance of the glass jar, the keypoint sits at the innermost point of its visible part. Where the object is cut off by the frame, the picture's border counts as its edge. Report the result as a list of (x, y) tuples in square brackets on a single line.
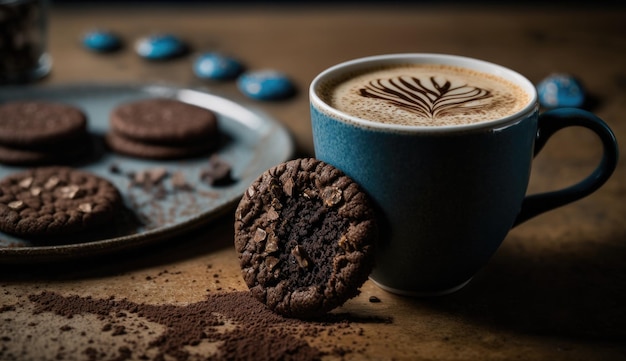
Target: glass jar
[(23, 33)]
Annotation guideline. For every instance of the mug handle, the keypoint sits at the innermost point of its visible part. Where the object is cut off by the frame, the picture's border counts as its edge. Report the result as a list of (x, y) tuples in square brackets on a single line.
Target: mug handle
[(549, 123)]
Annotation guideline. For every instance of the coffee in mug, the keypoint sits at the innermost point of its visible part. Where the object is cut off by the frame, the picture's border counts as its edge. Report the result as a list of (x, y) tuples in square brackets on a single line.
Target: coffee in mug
[(443, 145), (425, 95)]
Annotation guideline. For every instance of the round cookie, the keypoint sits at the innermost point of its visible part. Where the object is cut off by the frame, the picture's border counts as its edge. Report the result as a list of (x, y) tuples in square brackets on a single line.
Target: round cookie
[(133, 148), (51, 201), (39, 123), (164, 121), (20, 156), (305, 235), (64, 153)]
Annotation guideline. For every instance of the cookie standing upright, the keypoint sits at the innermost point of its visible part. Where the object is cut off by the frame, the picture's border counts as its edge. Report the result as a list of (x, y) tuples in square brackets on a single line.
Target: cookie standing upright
[(53, 201), (41, 132), (305, 236), (162, 128)]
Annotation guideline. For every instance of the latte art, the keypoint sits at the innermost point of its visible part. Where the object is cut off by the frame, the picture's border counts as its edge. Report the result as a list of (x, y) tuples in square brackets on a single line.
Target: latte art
[(424, 95), (429, 98)]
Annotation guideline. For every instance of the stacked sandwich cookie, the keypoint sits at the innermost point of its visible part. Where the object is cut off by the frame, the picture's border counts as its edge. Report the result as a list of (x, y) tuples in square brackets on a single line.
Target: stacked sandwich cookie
[(162, 128), (41, 132)]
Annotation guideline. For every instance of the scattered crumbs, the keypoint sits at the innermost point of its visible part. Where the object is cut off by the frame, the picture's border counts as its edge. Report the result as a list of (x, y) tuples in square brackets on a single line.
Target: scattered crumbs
[(119, 330), (162, 195), (114, 168), (7, 308), (217, 172), (260, 335), (179, 182)]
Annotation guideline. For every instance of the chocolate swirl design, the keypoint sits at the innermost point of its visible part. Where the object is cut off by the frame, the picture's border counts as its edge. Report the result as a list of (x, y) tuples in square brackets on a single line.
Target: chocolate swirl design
[(428, 100)]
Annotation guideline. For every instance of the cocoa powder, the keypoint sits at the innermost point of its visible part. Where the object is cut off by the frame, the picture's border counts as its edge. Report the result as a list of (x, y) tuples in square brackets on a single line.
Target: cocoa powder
[(240, 326)]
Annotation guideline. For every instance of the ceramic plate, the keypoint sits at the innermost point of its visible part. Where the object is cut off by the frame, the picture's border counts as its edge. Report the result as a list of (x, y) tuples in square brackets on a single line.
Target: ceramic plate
[(252, 142)]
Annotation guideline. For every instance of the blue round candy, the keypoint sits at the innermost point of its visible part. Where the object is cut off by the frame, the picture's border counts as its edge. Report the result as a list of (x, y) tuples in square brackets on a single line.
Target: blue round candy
[(162, 46), (560, 90), (101, 41), (216, 66), (265, 85)]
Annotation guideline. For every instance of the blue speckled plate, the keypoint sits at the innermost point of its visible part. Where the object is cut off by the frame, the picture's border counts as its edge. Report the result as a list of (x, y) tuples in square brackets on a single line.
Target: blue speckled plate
[(253, 142)]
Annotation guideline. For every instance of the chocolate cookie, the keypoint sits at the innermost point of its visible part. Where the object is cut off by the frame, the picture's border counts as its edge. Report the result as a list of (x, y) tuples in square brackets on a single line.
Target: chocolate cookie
[(18, 156), (163, 121), (134, 148), (63, 153), (37, 123), (39, 132), (305, 234), (50, 201)]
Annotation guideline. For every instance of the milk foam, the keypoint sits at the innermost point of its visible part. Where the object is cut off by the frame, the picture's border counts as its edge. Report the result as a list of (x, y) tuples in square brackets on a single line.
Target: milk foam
[(425, 95)]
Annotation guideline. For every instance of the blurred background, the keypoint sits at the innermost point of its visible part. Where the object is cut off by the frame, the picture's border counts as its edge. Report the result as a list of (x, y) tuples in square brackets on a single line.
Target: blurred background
[(589, 3)]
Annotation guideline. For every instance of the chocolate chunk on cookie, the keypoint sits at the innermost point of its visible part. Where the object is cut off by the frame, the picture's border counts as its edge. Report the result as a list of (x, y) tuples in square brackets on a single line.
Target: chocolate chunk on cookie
[(38, 123), (51, 201), (305, 234), (163, 121)]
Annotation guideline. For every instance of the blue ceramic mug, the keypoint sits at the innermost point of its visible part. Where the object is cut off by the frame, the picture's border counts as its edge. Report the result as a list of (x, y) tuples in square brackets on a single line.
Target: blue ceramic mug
[(446, 196)]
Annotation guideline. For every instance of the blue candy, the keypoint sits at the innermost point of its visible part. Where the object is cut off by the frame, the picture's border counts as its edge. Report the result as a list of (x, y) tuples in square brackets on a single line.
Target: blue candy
[(560, 90), (216, 66), (162, 46), (265, 85), (101, 41)]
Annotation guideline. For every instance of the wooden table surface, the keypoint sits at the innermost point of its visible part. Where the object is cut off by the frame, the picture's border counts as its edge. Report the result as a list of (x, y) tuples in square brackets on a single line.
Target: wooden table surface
[(555, 290)]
